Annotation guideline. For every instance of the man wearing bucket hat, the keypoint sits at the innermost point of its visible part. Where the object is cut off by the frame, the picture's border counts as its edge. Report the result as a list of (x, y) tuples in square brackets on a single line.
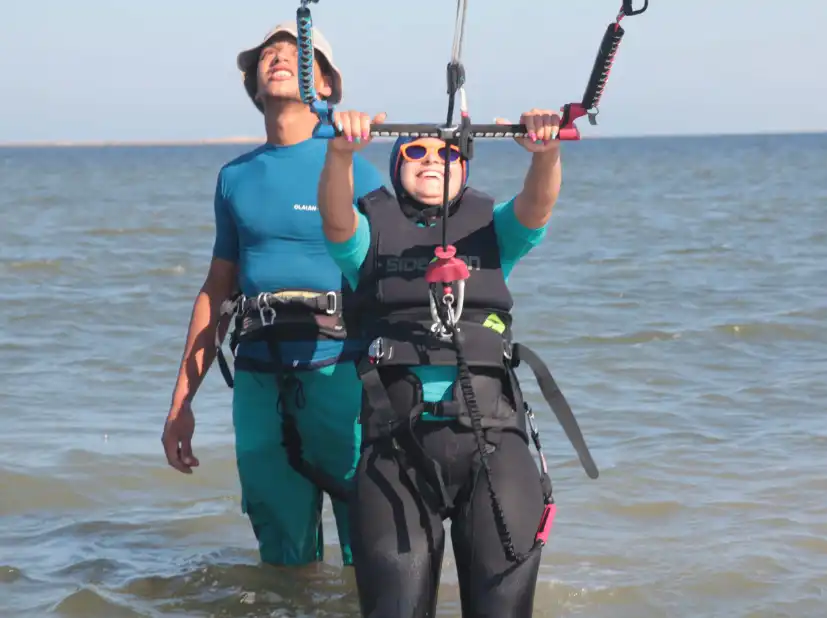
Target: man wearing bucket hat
[(269, 240), (248, 63)]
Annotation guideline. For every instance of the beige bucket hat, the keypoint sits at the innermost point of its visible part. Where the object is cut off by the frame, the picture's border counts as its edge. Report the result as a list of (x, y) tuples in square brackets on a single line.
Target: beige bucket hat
[(247, 62)]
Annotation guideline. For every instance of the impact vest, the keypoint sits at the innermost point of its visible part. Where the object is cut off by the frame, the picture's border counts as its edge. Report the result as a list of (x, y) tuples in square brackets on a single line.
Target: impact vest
[(394, 314)]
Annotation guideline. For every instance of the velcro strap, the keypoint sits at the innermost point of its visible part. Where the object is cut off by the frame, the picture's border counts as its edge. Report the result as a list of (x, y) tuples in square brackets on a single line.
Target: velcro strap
[(318, 302), (290, 326)]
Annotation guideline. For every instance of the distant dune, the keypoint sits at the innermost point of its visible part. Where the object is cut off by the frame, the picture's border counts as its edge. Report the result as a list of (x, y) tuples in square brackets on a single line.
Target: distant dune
[(148, 143), (91, 143)]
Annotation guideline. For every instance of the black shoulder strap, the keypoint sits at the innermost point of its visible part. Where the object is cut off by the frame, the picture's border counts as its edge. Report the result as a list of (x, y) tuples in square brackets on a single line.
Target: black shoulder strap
[(378, 196)]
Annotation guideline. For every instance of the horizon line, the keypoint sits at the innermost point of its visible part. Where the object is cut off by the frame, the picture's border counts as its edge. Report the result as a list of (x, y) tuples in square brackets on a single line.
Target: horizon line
[(241, 140)]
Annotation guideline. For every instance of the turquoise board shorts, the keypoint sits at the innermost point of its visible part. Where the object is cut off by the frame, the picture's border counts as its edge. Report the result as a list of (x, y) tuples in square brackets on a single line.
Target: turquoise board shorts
[(284, 508)]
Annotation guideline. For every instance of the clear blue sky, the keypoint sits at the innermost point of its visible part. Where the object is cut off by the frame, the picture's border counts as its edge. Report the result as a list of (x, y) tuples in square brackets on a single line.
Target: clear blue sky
[(147, 69)]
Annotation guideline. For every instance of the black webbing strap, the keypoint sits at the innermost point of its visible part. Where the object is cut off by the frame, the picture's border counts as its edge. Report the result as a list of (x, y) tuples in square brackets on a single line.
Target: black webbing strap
[(383, 415), (558, 404), (224, 367), (385, 418), (428, 466), (545, 479), (289, 385)]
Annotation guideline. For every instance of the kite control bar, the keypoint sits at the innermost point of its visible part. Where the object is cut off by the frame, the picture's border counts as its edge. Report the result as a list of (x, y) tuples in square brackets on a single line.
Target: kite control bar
[(569, 131), (492, 131)]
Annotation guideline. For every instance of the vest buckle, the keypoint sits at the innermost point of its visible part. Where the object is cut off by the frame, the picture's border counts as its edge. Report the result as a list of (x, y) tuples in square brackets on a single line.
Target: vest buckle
[(229, 306), (376, 350), (440, 327), (535, 437), (265, 311), (332, 304)]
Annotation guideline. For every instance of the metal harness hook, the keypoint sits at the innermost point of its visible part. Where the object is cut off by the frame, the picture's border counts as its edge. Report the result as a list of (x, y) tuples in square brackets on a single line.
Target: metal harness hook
[(446, 270)]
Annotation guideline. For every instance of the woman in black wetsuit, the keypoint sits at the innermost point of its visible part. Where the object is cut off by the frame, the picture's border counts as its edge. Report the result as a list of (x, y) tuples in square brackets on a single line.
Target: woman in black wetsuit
[(443, 420)]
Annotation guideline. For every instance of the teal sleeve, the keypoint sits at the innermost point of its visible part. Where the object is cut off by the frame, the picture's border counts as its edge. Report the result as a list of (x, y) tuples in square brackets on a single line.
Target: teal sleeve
[(513, 238), (350, 254), (225, 246)]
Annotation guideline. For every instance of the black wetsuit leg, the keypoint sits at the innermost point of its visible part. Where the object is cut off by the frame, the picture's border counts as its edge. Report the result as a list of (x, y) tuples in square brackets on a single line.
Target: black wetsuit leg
[(491, 586), (397, 532), (397, 535)]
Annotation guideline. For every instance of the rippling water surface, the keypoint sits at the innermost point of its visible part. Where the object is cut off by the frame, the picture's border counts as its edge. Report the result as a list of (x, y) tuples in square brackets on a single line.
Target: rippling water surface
[(679, 299)]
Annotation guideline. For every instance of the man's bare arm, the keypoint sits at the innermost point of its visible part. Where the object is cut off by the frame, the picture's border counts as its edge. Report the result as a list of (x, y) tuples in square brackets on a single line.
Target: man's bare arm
[(199, 349)]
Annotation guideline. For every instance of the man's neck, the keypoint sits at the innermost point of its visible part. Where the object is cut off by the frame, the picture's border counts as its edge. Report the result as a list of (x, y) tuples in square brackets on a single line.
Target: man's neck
[(287, 124)]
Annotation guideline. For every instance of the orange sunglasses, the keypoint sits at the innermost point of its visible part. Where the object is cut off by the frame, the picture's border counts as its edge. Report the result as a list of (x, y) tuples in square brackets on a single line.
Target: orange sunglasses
[(416, 151)]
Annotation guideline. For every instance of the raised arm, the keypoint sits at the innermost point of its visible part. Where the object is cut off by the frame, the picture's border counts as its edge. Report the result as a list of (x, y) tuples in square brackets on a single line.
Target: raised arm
[(339, 219), (533, 204), (336, 196)]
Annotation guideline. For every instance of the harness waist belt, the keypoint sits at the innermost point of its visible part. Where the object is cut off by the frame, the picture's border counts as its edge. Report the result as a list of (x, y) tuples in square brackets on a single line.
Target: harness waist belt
[(283, 315), (386, 417), (322, 302)]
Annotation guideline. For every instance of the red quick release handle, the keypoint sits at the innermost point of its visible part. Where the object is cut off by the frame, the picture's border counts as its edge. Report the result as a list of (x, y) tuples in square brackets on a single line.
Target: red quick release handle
[(568, 130), (446, 268)]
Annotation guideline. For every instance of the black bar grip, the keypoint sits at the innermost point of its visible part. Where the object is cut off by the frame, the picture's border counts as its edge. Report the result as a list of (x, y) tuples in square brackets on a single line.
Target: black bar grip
[(476, 131), (602, 66), (493, 131)]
